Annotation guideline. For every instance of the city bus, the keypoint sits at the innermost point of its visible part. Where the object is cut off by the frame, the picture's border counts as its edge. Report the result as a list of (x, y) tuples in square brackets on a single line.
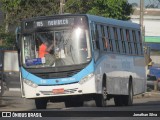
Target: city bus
[(91, 58)]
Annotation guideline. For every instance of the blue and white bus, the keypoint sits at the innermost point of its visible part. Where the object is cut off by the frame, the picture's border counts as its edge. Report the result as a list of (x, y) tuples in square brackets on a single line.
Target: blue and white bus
[(93, 58)]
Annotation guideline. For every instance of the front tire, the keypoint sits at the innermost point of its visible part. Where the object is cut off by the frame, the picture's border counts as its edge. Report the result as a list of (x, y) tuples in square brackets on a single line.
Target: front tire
[(41, 103), (101, 99)]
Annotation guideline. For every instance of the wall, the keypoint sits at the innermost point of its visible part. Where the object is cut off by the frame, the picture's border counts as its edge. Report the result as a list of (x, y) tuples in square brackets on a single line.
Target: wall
[(152, 26)]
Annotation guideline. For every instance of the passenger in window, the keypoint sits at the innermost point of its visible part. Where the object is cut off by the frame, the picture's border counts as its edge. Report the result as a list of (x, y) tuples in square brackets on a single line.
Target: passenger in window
[(105, 42)]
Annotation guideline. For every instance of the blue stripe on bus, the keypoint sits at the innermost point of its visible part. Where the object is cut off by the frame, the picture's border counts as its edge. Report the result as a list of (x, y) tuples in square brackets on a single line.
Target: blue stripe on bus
[(76, 78)]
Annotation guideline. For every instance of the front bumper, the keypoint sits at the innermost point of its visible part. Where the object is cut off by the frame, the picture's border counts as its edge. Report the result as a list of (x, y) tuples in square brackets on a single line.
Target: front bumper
[(88, 87)]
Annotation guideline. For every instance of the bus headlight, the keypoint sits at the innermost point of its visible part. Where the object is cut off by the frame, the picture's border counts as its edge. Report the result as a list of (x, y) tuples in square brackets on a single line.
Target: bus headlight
[(30, 83), (86, 78)]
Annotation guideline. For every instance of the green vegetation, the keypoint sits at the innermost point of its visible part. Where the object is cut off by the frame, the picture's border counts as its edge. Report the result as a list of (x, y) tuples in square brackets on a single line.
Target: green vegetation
[(16, 10), (118, 9), (6, 38)]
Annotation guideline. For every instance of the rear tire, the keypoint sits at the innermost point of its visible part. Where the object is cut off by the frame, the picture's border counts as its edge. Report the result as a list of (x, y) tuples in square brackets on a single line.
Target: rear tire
[(128, 99), (41, 103)]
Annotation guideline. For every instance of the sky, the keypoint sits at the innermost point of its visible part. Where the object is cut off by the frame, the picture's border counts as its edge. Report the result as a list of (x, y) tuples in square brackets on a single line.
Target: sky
[(146, 2), (138, 1)]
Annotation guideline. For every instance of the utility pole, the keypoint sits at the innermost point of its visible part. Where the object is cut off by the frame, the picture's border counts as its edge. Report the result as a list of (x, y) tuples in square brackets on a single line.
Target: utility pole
[(141, 18), (145, 48), (62, 3)]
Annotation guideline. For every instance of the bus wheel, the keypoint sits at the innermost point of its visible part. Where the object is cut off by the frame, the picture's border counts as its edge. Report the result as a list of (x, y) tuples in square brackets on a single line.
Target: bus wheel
[(41, 103), (101, 99), (128, 99)]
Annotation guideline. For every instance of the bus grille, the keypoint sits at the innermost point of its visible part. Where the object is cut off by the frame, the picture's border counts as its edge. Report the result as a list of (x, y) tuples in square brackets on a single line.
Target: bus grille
[(53, 75)]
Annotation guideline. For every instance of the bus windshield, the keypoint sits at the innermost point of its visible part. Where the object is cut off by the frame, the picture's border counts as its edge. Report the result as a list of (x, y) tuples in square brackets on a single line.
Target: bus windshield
[(55, 48)]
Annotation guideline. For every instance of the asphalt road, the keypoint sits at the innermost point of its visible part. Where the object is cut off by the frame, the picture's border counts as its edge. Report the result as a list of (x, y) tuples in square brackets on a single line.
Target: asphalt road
[(12, 99), (150, 103)]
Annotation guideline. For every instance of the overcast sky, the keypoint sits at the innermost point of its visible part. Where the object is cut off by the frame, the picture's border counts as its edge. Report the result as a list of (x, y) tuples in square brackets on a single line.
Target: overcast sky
[(146, 2), (138, 1)]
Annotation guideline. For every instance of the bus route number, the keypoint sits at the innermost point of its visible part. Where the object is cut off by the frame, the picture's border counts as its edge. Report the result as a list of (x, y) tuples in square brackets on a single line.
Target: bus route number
[(39, 24)]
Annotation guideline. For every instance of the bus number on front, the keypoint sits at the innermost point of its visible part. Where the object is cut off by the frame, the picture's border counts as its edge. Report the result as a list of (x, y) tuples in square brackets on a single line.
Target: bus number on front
[(39, 24)]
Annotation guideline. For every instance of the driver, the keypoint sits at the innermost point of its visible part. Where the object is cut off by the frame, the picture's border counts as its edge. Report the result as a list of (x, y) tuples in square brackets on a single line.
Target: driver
[(44, 51)]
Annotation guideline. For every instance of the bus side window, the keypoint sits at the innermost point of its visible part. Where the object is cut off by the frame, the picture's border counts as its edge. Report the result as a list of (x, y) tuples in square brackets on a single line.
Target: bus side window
[(94, 34), (132, 42), (119, 40), (104, 38), (97, 38), (140, 40), (123, 41), (129, 41), (110, 40), (93, 38), (135, 42), (116, 39)]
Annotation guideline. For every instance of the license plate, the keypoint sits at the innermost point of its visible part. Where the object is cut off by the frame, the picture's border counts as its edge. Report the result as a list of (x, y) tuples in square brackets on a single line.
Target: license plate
[(58, 91)]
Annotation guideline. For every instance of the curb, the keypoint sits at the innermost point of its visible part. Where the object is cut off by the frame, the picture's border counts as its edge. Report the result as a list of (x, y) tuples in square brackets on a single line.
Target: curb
[(148, 94)]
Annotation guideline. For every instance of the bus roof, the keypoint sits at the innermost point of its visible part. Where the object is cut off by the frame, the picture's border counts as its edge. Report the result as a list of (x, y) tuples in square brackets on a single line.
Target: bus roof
[(113, 21), (94, 18)]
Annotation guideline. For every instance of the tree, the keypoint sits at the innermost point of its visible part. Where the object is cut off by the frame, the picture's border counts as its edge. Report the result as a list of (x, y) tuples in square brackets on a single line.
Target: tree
[(78, 6), (16, 10), (118, 9)]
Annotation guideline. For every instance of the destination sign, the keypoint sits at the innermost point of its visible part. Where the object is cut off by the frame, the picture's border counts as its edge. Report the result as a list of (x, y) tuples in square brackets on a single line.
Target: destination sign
[(54, 22), (49, 23)]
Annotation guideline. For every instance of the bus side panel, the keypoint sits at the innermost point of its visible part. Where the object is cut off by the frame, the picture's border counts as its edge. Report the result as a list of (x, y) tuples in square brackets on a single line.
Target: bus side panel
[(140, 70), (118, 69), (117, 86)]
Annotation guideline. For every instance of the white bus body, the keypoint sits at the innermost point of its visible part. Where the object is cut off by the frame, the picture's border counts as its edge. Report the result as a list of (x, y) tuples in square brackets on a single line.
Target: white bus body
[(114, 65)]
